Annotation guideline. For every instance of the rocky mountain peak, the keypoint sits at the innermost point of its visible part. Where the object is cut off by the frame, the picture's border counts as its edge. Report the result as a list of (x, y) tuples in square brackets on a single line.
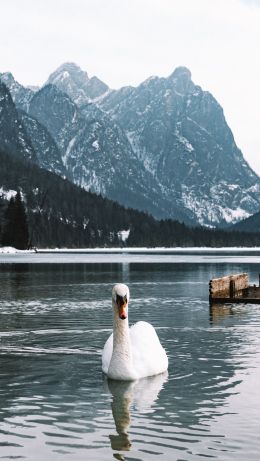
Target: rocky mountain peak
[(181, 79), (68, 70), (20, 94), (96, 88), (181, 72), (71, 79), (7, 77)]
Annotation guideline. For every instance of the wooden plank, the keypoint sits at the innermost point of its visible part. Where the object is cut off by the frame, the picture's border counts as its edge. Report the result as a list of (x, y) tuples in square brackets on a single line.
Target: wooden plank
[(248, 295), (231, 283), (236, 300)]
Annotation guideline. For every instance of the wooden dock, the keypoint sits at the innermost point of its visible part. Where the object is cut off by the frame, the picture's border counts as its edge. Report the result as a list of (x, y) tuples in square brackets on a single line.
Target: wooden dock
[(233, 289)]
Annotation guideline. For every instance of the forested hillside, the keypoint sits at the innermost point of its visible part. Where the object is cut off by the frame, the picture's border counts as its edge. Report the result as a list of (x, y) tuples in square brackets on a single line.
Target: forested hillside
[(61, 214), (251, 224)]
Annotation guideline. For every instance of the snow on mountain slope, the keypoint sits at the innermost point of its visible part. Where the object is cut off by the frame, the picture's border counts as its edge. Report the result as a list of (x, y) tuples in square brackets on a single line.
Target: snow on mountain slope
[(163, 147), (97, 153), (180, 134)]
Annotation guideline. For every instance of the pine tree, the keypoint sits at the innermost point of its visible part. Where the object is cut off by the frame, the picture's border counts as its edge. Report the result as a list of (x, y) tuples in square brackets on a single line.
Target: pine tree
[(15, 231), (9, 224), (2, 207)]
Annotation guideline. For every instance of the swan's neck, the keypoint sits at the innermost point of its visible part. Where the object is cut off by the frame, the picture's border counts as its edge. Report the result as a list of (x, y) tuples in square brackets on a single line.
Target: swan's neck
[(121, 339), (121, 366)]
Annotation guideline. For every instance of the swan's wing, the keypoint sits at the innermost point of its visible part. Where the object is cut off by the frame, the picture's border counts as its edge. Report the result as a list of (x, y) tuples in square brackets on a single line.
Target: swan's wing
[(107, 354), (149, 357)]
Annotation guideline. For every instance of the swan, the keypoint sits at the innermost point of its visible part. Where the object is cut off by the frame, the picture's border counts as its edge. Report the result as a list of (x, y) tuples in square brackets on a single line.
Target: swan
[(131, 353)]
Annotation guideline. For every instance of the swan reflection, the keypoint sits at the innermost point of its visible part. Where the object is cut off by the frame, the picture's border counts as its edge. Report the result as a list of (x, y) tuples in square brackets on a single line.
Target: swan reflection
[(141, 395)]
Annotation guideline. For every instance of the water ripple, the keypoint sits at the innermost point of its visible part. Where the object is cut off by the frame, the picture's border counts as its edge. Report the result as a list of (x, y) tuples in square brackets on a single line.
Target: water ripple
[(55, 401)]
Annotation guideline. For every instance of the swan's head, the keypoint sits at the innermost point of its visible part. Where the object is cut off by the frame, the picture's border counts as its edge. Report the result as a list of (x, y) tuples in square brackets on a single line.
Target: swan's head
[(120, 300)]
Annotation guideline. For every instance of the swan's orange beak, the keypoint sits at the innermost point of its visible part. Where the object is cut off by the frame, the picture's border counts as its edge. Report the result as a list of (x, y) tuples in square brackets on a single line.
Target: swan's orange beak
[(122, 311)]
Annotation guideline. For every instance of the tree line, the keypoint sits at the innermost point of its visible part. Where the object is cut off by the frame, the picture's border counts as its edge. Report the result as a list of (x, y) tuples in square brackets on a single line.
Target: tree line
[(14, 228), (52, 212)]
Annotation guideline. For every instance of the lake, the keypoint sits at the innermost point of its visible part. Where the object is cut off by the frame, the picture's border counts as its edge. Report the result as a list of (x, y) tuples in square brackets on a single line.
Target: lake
[(55, 316)]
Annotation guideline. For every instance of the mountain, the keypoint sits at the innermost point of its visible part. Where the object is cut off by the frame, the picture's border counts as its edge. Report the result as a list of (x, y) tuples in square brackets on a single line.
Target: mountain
[(70, 79), (24, 137), (163, 147), (180, 134), (21, 95), (63, 214), (13, 136), (97, 154), (46, 150)]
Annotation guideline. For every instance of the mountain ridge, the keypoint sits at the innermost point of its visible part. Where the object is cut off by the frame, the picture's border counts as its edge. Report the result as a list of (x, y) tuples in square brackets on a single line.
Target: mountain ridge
[(97, 153), (167, 130)]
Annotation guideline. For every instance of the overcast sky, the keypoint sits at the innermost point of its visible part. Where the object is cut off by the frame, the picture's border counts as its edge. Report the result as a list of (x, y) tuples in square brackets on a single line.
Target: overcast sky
[(125, 41)]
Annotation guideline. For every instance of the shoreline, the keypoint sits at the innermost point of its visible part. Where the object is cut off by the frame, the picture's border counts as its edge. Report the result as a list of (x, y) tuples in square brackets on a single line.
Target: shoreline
[(130, 250)]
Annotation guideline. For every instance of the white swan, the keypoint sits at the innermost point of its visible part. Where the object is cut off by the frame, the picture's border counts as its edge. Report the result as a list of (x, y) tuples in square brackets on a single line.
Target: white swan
[(134, 353)]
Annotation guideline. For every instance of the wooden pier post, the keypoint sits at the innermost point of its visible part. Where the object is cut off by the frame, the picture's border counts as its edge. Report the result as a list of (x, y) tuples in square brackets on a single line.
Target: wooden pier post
[(233, 289)]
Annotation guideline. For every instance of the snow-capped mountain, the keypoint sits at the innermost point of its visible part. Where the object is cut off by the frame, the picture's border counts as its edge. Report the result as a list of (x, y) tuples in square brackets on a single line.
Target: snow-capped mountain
[(97, 154), (163, 147), (70, 79), (180, 134), (21, 95)]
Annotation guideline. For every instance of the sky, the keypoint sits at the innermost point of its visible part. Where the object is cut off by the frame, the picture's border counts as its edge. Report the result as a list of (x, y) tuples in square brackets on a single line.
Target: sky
[(123, 42)]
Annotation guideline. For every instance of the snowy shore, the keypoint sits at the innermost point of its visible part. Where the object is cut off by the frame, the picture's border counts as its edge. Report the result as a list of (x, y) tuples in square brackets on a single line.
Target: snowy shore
[(11, 250), (133, 255), (146, 250)]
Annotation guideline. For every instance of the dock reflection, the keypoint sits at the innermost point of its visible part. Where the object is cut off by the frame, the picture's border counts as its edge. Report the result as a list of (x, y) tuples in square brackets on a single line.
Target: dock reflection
[(220, 312), (217, 312)]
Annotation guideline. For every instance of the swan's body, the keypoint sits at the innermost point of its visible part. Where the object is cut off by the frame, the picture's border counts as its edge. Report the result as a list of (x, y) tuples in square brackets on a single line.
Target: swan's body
[(134, 353)]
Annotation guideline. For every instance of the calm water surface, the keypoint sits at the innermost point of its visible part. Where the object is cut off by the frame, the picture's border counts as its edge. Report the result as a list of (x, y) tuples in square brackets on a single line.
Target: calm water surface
[(55, 404)]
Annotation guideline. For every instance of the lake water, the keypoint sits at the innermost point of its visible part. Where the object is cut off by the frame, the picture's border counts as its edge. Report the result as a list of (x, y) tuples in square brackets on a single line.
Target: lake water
[(54, 320)]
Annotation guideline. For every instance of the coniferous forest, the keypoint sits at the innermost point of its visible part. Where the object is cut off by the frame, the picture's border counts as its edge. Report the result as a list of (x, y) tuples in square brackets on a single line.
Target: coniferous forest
[(49, 211), (15, 226)]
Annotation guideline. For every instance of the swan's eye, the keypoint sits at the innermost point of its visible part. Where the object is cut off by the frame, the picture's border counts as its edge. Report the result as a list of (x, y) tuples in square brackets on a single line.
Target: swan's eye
[(121, 300), (122, 306)]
